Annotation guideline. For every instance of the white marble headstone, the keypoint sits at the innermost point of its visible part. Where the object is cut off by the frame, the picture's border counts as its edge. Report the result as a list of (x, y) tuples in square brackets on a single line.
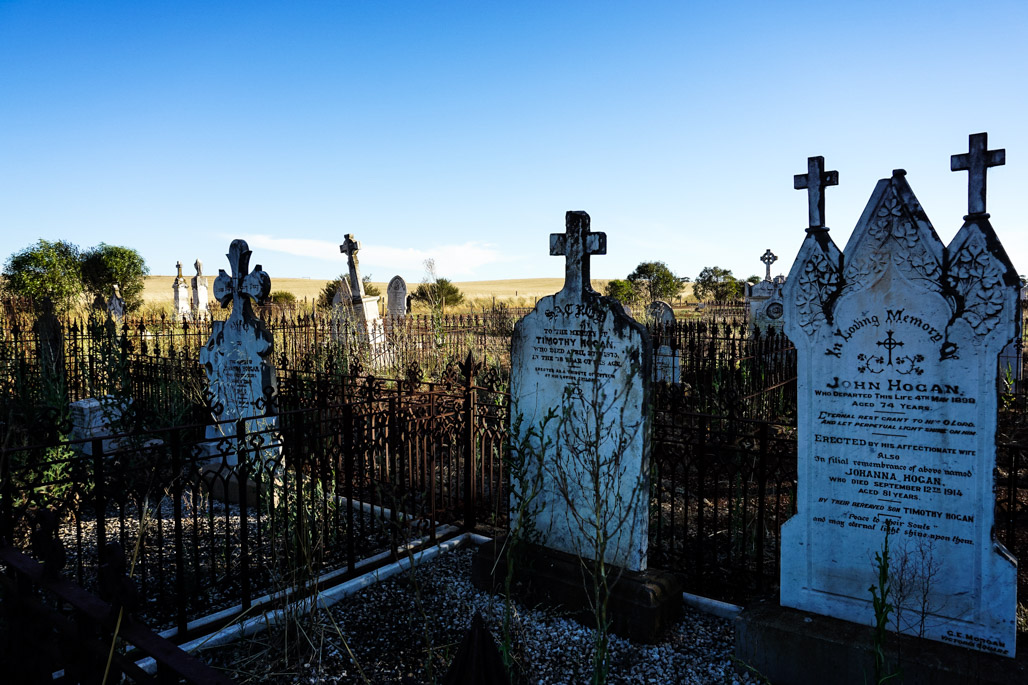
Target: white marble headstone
[(666, 365), (578, 355), (180, 289), (238, 355), (200, 298), (897, 342)]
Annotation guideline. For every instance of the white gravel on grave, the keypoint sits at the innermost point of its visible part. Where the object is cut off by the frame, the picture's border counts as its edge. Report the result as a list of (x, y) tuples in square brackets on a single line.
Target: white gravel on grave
[(385, 629)]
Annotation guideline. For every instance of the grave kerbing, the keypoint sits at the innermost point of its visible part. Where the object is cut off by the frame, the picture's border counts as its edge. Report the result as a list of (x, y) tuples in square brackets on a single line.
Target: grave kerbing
[(897, 340)]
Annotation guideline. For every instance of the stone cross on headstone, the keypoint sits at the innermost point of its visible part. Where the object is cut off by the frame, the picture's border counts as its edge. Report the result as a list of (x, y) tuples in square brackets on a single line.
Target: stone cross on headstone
[(350, 248), (815, 181), (178, 266), (976, 163), (576, 244), (769, 258), (243, 283)]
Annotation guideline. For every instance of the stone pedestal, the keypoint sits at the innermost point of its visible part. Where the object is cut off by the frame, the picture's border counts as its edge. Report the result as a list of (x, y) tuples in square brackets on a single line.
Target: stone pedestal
[(792, 647), (642, 604)]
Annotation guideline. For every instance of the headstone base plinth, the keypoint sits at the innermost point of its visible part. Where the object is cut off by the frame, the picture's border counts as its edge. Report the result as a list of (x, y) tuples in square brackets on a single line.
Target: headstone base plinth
[(791, 647), (642, 604)]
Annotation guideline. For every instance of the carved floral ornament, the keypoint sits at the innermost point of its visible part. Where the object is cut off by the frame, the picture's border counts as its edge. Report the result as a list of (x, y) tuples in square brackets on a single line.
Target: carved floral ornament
[(899, 236)]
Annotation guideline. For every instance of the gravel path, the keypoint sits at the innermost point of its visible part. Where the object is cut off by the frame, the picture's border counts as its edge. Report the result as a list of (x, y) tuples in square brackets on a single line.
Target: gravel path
[(391, 628)]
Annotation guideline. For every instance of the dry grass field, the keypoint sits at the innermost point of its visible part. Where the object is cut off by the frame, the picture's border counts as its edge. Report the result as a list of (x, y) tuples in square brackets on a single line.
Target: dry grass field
[(519, 292)]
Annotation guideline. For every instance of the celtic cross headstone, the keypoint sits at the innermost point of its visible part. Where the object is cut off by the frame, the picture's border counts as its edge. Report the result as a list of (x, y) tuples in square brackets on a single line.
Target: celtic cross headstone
[(237, 356)]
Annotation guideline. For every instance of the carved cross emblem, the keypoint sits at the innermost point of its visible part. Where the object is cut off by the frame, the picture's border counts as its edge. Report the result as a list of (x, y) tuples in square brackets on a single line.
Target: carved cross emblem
[(350, 247), (768, 258), (889, 344), (815, 181), (243, 283), (576, 244), (976, 163)]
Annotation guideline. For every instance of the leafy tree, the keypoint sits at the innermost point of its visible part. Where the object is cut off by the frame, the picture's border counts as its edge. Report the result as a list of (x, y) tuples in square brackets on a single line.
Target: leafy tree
[(435, 291), (46, 270), (621, 290), (442, 291), (282, 298), (717, 284), (105, 265), (328, 293), (655, 281), (754, 279)]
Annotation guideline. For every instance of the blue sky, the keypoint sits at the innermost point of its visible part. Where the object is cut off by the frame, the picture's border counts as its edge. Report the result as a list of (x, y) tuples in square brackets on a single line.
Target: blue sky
[(463, 131)]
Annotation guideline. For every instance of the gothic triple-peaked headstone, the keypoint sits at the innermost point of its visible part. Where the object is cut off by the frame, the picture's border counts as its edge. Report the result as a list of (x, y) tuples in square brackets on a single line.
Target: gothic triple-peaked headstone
[(396, 293), (180, 289), (238, 354), (897, 346), (580, 360)]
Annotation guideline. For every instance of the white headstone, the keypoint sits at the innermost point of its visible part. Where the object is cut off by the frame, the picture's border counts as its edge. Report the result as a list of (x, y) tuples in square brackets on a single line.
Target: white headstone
[(579, 355), (238, 355), (354, 312), (200, 298), (897, 347), (666, 365), (180, 288), (396, 293), (764, 303)]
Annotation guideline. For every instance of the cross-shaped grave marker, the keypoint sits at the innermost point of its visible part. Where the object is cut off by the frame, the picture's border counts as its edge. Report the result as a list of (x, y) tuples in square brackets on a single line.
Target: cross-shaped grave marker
[(815, 181), (178, 265), (576, 244), (768, 258), (350, 247), (976, 163), (242, 283)]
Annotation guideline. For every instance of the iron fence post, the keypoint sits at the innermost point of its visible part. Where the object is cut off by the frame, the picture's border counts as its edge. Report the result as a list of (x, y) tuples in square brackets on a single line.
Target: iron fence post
[(99, 499), (176, 493), (761, 499), (242, 480), (470, 397)]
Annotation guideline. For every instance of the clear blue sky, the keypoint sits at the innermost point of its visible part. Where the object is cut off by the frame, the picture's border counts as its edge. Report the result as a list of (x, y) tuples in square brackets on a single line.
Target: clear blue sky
[(464, 131)]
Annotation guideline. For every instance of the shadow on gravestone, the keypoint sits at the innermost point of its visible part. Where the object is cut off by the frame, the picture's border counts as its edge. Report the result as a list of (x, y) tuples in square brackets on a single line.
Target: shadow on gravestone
[(242, 383), (897, 349)]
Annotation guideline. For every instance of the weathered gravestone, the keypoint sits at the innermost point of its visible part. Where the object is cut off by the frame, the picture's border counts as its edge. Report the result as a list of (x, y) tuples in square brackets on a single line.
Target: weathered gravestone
[(897, 342), (579, 355), (180, 289), (116, 305), (764, 302), (199, 301), (355, 314), (237, 361), (396, 294), (666, 366), (580, 408)]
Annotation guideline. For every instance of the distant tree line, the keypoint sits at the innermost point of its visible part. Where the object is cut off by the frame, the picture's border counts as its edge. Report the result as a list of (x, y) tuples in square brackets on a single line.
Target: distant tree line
[(60, 272)]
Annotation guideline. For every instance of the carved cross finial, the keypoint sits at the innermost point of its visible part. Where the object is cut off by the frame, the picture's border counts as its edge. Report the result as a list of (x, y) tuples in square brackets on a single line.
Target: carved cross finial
[(577, 243), (243, 283), (178, 265), (768, 258), (976, 162), (350, 247), (815, 181), (198, 265)]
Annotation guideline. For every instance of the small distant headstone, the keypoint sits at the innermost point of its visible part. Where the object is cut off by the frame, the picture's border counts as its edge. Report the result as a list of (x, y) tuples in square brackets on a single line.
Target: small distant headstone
[(764, 305), (396, 293), (199, 301), (579, 356), (897, 342), (237, 357), (180, 289), (116, 305), (666, 366)]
